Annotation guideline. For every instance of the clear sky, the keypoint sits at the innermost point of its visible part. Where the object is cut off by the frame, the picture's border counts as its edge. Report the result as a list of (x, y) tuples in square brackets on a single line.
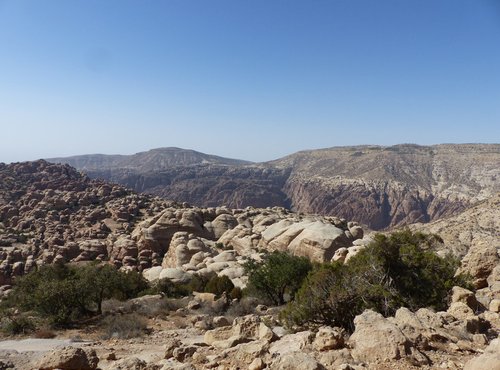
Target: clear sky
[(250, 79)]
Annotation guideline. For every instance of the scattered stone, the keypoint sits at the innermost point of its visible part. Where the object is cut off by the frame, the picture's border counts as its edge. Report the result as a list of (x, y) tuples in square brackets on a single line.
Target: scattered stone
[(295, 360), (328, 338)]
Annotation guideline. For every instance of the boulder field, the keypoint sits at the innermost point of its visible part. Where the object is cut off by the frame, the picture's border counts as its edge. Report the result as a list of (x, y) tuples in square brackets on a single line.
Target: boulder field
[(53, 214)]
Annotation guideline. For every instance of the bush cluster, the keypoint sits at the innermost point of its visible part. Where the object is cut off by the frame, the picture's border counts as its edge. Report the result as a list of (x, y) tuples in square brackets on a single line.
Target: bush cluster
[(393, 271), (279, 275), (64, 294)]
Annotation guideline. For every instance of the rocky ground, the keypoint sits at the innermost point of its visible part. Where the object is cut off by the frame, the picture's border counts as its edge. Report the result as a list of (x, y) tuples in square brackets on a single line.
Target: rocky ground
[(197, 337), (53, 214)]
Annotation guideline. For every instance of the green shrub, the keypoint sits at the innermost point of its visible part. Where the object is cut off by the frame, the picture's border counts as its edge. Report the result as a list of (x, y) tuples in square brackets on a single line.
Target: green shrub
[(64, 294), (236, 293), (177, 290), (393, 271), (219, 285), (197, 283), (278, 274), (18, 324)]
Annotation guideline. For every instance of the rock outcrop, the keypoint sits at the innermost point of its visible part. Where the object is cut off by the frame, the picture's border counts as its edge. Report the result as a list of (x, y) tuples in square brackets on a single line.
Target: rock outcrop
[(53, 214), (69, 358)]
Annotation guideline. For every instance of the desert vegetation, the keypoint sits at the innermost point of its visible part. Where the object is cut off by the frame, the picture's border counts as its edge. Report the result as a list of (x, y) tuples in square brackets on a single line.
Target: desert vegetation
[(279, 275), (399, 270), (64, 294)]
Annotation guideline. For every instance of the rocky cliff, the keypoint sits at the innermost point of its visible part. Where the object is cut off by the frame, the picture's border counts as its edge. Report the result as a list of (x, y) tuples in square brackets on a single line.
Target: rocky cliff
[(381, 187), (384, 187)]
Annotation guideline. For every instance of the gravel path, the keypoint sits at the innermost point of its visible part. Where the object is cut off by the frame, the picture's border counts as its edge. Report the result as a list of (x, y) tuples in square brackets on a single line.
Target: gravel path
[(36, 345)]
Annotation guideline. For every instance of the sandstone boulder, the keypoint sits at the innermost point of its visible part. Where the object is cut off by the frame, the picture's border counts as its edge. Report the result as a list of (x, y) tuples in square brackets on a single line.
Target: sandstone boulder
[(296, 360), (377, 339), (182, 248), (328, 338), (223, 223), (459, 294), (291, 343), (242, 239), (318, 240), (244, 329), (479, 262), (69, 358), (490, 359), (175, 275), (243, 355), (152, 274), (460, 311)]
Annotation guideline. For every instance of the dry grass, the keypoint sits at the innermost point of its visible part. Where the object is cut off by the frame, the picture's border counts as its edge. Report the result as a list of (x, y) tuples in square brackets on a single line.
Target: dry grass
[(44, 333), (123, 326)]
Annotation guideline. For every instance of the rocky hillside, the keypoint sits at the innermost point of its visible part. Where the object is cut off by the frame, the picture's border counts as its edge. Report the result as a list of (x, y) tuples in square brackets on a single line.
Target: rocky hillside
[(380, 187), (50, 213), (474, 235)]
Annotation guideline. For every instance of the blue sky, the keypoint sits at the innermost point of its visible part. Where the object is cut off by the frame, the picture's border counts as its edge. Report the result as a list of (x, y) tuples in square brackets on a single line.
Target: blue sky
[(245, 79)]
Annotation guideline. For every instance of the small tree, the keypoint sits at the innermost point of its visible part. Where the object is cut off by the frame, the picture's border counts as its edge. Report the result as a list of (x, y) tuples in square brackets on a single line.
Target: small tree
[(100, 282), (64, 294), (278, 274)]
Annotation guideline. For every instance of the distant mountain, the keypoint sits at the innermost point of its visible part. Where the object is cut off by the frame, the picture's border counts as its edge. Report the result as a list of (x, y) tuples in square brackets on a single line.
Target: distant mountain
[(153, 160), (391, 186), (381, 187)]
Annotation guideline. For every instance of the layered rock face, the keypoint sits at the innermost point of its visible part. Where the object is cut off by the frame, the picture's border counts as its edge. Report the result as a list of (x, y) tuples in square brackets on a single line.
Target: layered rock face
[(381, 187), (208, 185), (384, 187)]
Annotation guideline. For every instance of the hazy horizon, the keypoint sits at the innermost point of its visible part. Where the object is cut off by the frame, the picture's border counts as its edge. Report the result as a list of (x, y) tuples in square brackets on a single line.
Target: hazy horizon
[(241, 158), (248, 80)]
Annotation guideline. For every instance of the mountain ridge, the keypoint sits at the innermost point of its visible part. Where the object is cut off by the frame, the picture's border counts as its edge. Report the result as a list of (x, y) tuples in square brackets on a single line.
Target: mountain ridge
[(151, 160), (379, 186)]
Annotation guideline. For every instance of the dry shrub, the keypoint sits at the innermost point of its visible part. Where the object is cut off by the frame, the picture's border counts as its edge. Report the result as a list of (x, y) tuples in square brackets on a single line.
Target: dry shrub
[(145, 307), (123, 326), (45, 333), (244, 306)]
